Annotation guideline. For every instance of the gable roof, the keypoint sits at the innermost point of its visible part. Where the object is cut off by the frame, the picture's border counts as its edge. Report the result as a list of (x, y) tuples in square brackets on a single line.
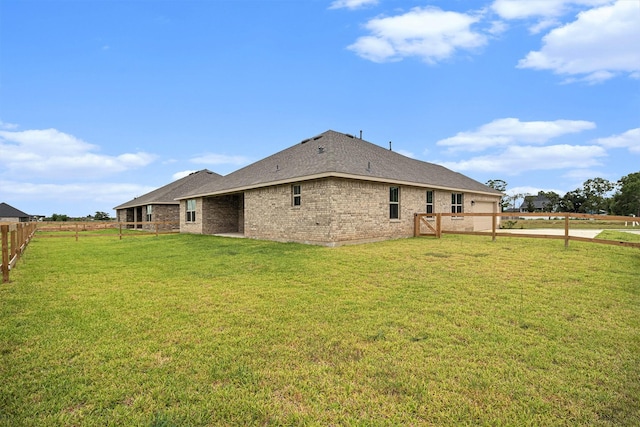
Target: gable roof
[(167, 195), (538, 202), (335, 154), (8, 211)]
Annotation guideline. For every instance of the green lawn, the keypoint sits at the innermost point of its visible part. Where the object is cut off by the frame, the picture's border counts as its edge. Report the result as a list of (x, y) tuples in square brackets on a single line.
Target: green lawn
[(200, 330)]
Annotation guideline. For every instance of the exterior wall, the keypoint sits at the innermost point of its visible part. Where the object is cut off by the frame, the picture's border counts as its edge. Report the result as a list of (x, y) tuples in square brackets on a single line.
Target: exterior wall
[(195, 226), (335, 211), (10, 219), (164, 213), (220, 214), (159, 213), (269, 213)]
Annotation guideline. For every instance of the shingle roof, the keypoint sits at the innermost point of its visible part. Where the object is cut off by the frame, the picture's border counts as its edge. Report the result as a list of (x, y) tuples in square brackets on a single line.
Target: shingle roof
[(8, 211), (538, 201), (167, 195), (340, 155)]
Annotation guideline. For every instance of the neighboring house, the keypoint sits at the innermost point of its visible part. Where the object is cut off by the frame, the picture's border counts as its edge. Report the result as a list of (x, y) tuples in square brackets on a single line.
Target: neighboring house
[(160, 204), (536, 203), (334, 189), (10, 214)]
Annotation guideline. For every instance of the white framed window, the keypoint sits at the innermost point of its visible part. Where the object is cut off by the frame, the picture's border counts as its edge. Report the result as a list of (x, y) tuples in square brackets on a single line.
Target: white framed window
[(149, 213), (296, 195), (191, 210), (457, 203), (394, 202), (429, 206)]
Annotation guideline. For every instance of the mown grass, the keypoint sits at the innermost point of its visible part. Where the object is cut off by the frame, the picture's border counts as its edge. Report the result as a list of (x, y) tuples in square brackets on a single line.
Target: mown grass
[(202, 330)]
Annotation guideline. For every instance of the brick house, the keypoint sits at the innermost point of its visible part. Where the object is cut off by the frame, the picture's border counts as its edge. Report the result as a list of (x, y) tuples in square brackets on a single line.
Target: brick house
[(334, 189), (10, 214), (161, 204)]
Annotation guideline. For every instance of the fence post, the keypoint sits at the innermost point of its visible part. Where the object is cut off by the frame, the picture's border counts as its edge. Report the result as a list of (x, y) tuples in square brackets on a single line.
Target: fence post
[(566, 230), (4, 231), (14, 247), (120, 231), (494, 219), (438, 225), (76, 231)]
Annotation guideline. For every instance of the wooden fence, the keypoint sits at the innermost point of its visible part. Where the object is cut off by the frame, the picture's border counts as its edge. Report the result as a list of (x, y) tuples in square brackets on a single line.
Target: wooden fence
[(92, 229), (433, 225), (15, 238)]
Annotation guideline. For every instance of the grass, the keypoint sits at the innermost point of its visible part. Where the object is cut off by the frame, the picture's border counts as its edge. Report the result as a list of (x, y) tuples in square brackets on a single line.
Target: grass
[(200, 330)]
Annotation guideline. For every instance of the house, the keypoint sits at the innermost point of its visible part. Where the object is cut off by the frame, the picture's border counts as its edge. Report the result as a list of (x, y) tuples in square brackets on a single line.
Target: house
[(10, 214), (537, 203), (334, 189), (160, 205)]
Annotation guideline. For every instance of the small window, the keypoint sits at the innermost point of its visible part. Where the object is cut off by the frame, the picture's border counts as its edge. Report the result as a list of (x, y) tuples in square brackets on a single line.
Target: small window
[(394, 203), (456, 203), (429, 206), (191, 210), (149, 213), (295, 194)]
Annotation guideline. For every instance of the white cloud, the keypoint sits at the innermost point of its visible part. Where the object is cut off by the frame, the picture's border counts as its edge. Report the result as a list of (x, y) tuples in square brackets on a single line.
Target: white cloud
[(54, 154), (97, 192), (352, 4), (429, 33), (7, 126), (506, 131), (220, 159), (595, 47), (519, 9), (629, 139), (518, 159)]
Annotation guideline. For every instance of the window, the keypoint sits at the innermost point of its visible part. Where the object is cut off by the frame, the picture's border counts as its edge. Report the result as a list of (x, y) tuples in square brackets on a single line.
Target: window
[(456, 203), (191, 210), (295, 194), (394, 203), (149, 212), (429, 202)]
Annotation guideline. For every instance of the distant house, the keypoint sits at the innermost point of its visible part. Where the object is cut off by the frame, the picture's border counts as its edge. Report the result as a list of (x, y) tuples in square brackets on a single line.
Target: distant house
[(333, 189), (10, 214), (536, 203), (161, 204)]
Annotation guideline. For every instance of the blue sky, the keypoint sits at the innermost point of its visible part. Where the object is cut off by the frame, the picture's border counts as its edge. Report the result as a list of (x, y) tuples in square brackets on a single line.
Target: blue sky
[(103, 101)]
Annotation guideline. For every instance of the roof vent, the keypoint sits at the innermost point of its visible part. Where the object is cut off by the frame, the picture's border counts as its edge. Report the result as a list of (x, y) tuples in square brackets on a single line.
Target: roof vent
[(317, 137), (349, 135), (306, 140), (320, 149)]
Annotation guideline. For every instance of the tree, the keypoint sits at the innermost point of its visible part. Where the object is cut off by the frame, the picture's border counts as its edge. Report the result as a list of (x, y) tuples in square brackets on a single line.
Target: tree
[(59, 217), (572, 201), (595, 192), (500, 185), (626, 201), (101, 216), (553, 200)]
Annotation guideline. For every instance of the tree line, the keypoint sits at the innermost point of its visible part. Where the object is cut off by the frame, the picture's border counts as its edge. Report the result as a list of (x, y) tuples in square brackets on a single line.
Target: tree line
[(596, 196), (99, 216)]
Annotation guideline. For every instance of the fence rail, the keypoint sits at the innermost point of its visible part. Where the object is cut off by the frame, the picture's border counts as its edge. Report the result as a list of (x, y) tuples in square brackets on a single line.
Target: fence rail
[(433, 224), (91, 229), (15, 237)]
